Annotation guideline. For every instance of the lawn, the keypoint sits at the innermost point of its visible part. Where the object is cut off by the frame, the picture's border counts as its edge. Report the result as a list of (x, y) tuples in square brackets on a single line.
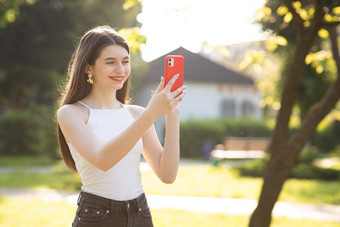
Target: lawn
[(32, 213), (192, 180), (23, 161)]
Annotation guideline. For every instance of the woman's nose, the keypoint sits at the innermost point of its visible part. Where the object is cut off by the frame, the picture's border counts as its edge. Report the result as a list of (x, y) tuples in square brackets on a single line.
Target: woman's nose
[(120, 68)]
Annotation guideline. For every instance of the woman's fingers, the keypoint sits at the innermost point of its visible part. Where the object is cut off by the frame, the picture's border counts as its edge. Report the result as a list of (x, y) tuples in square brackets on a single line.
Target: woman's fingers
[(160, 86), (163, 100), (171, 82), (178, 91), (180, 97)]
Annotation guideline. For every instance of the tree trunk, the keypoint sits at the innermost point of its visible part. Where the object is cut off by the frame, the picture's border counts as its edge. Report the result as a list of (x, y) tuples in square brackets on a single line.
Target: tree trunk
[(284, 152), (279, 167)]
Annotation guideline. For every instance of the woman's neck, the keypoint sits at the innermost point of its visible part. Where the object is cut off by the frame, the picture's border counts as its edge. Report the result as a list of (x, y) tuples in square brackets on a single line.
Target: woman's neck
[(101, 99)]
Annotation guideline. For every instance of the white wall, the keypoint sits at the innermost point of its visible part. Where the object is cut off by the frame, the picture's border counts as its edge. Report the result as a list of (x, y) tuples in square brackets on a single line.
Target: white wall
[(203, 101)]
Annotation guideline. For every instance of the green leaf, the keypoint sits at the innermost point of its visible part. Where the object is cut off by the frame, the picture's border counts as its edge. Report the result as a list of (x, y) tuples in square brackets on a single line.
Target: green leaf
[(319, 69), (336, 11), (306, 23), (131, 3), (280, 40), (282, 10), (309, 59), (303, 14), (296, 5), (133, 37), (328, 17), (288, 17), (10, 16), (323, 33)]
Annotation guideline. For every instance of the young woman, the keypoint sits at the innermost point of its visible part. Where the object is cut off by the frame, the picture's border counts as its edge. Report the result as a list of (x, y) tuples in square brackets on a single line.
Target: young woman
[(102, 138)]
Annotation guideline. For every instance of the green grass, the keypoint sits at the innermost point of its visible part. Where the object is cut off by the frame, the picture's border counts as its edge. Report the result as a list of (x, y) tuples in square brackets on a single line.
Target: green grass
[(57, 180), (222, 182), (25, 161), (204, 181), (195, 180), (336, 166), (32, 213)]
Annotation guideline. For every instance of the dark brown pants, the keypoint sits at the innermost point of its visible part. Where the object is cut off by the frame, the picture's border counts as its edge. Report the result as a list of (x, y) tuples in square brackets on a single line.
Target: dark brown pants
[(96, 211)]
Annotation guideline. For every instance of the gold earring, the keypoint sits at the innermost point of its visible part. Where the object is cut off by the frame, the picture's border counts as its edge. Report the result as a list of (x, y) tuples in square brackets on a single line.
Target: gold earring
[(90, 79)]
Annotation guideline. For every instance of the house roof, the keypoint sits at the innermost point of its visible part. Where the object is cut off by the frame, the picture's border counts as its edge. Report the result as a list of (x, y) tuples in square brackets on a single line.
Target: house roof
[(198, 69)]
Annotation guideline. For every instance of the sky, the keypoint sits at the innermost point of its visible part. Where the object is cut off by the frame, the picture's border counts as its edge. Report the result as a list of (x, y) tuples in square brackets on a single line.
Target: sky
[(169, 24)]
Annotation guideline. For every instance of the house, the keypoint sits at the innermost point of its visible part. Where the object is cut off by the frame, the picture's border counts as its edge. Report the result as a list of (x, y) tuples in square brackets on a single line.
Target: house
[(213, 91)]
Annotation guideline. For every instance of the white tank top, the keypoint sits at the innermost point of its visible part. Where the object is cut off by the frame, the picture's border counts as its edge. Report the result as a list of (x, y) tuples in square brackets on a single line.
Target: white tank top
[(123, 180)]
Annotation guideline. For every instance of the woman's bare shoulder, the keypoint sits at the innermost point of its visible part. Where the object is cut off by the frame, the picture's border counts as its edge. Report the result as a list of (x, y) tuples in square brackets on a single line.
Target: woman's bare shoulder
[(135, 110), (70, 110)]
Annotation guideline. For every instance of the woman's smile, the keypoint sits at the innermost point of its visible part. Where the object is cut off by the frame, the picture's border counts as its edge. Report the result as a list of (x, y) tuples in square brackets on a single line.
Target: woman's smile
[(117, 78)]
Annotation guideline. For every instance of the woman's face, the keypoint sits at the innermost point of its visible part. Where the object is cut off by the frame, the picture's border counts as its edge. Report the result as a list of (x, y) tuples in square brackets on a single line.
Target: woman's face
[(111, 68)]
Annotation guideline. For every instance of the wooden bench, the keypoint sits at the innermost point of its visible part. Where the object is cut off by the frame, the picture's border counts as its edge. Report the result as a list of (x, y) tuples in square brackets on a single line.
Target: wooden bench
[(240, 148)]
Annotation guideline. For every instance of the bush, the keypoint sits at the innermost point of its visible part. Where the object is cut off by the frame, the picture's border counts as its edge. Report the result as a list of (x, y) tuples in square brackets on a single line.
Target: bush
[(303, 170), (253, 168), (27, 132), (195, 134), (327, 139), (310, 154)]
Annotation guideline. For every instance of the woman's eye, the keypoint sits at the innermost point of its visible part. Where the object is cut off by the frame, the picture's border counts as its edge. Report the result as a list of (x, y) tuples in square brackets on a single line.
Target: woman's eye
[(110, 62), (126, 62)]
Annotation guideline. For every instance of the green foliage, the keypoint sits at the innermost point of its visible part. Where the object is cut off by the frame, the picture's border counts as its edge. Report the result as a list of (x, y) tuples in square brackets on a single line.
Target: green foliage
[(253, 168), (307, 171), (18, 133), (303, 170), (309, 155), (27, 132), (327, 139), (275, 18), (195, 133), (37, 46), (37, 38), (9, 10)]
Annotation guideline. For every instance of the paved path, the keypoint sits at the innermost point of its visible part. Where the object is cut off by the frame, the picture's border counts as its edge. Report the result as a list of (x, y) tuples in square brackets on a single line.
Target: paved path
[(197, 204)]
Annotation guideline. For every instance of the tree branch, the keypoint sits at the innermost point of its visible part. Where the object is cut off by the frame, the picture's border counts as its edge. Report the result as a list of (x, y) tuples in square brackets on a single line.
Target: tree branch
[(321, 109), (335, 49), (296, 17), (318, 16)]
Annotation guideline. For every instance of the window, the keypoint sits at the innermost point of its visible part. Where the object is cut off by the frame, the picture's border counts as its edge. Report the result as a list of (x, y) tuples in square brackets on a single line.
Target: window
[(228, 108), (247, 108)]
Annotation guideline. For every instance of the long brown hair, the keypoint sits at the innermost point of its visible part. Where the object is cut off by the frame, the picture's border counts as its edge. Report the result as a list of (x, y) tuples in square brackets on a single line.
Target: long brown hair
[(77, 87)]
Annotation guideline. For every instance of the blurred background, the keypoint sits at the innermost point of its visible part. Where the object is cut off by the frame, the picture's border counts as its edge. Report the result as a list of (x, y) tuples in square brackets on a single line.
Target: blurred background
[(236, 54)]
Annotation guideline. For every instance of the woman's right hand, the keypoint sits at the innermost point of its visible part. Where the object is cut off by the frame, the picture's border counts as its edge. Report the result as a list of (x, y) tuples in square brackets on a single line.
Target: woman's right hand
[(163, 100)]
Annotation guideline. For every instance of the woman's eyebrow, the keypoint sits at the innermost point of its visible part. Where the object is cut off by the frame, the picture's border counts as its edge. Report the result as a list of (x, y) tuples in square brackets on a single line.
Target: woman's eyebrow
[(112, 58)]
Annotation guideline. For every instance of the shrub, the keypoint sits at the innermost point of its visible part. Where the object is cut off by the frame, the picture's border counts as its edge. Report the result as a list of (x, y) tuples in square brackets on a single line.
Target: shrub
[(303, 170), (27, 132), (253, 168), (308, 155), (196, 134), (307, 171), (327, 139)]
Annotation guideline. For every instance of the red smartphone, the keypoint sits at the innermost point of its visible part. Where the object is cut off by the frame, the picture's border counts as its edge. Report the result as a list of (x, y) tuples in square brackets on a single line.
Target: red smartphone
[(174, 64)]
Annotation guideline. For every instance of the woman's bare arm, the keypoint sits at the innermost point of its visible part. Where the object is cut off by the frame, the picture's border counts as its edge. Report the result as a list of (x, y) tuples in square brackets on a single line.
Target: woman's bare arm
[(105, 155)]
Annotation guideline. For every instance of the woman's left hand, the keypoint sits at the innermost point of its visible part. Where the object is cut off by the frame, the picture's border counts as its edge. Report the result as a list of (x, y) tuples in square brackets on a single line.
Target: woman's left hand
[(174, 113)]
